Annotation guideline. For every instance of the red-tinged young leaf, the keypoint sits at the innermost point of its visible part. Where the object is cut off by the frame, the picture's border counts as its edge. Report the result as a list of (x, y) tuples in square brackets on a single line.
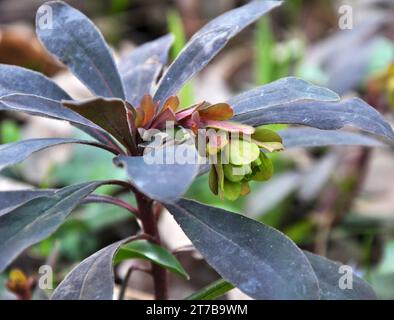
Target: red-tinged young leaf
[(139, 119), (148, 106), (109, 114), (164, 116), (219, 112), (181, 115), (171, 103)]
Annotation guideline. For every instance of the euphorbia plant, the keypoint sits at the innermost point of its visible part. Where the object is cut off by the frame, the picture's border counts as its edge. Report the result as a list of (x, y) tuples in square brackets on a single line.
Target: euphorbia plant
[(129, 100)]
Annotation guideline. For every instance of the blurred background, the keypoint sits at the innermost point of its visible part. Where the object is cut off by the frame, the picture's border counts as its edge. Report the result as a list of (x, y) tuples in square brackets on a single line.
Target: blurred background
[(338, 202)]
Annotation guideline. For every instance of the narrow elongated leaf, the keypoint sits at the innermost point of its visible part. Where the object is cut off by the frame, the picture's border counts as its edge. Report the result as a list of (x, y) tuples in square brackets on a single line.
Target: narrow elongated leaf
[(164, 174), (322, 115), (206, 44), (75, 41), (15, 79), (43, 107), (282, 91), (92, 279), (139, 70), (13, 153), (11, 199), (329, 274), (109, 114), (38, 218), (142, 249), (257, 259), (310, 137), (48, 108), (212, 291)]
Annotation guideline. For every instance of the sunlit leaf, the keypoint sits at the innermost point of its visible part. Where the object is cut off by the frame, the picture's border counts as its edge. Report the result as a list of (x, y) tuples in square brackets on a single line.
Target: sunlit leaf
[(322, 115), (76, 42), (13, 153), (270, 266), (279, 92), (163, 174), (207, 42), (19, 80), (310, 137)]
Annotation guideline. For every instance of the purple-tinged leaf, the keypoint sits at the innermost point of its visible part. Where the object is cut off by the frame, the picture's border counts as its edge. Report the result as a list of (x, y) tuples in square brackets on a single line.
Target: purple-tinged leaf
[(322, 115), (139, 69), (108, 114), (38, 218), (329, 274), (257, 259), (43, 107), (282, 91), (13, 153), (164, 174), (207, 43), (13, 199), (15, 79), (76, 42), (92, 279), (311, 137)]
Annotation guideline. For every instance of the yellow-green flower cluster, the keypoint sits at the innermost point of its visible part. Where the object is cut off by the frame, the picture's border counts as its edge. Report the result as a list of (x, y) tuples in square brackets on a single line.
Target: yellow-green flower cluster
[(242, 160)]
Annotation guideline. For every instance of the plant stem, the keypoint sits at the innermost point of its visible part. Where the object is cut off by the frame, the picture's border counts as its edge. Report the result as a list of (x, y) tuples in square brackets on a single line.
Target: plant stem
[(149, 225)]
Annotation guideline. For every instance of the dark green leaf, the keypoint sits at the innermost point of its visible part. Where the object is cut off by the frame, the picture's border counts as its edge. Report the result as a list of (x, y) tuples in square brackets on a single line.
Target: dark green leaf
[(15, 79), (38, 218), (109, 114), (329, 274), (13, 153), (206, 44), (276, 93), (140, 69), (257, 259), (322, 115), (92, 279), (163, 174), (212, 291), (142, 249), (310, 137), (76, 42)]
